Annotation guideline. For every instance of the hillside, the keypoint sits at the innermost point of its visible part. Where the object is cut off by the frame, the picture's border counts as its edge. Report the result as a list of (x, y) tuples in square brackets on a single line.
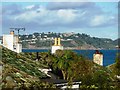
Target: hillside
[(20, 71), (68, 40), (117, 42)]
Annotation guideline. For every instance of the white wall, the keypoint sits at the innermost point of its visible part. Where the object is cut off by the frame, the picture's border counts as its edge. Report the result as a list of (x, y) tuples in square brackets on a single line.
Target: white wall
[(54, 48), (98, 58), (8, 41), (11, 42), (19, 48)]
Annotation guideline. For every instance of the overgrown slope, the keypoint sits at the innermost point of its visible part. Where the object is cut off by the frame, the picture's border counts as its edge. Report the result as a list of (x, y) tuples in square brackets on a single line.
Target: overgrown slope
[(19, 71)]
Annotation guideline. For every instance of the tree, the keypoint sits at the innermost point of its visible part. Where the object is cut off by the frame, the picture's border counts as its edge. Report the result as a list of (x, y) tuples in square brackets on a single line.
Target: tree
[(117, 64), (63, 61), (25, 44), (101, 79), (36, 34)]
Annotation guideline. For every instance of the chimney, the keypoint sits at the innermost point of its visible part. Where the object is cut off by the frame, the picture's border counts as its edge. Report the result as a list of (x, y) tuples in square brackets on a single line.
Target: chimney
[(55, 42), (98, 57), (59, 42), (11, 32)]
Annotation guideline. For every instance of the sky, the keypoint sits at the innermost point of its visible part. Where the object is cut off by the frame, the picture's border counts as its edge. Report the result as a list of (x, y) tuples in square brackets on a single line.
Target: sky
[(97, 19)]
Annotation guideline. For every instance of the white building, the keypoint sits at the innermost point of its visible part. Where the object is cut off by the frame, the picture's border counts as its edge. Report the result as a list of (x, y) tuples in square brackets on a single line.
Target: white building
[(98, 58), (10, 41), (0, 42), (57, 45)]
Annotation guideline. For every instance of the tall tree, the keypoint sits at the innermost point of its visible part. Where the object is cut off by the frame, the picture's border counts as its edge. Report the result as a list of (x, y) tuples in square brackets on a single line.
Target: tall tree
[(63, 62), (117, 65)]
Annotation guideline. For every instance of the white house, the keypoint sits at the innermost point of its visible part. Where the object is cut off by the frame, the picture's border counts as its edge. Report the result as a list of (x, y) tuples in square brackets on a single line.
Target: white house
[(11, 42)]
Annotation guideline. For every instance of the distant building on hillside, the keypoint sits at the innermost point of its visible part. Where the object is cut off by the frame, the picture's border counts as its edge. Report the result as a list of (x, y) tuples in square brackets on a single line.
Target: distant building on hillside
[(98, 58), (11, 42), (57, 45)]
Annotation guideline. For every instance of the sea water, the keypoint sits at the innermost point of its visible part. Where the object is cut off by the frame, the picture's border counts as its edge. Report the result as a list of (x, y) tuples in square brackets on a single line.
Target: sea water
[(109, 56)]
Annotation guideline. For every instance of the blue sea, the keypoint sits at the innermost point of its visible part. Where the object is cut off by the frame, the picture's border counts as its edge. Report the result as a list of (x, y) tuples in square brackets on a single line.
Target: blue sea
[(109, 55)]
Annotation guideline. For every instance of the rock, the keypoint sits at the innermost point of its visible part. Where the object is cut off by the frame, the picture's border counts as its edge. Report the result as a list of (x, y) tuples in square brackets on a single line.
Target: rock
[(9, 78), (18, 75), (10, 83)]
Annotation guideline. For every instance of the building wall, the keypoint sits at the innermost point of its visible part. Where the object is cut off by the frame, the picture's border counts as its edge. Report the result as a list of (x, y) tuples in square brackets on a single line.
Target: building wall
[(0, 42), (98, 58), (11, 42), (54, 48), (15, 41), (8, 41), (19, 48)]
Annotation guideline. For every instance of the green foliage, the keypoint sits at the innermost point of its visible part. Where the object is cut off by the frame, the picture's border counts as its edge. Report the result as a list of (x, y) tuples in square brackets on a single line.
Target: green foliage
[(25, 44), (23, 64), (21, 72), (63, 61), (40, 43), (0, 53), (101, 79), (117, 64), (22, 69), (77, 67)]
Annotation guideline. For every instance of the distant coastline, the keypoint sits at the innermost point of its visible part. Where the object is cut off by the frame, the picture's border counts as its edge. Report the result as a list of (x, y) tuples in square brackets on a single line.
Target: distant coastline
[(69, 48), (68, 40)]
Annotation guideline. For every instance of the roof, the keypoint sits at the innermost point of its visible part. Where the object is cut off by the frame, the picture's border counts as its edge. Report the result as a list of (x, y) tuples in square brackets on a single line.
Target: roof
[(54, 81), (58, 81)]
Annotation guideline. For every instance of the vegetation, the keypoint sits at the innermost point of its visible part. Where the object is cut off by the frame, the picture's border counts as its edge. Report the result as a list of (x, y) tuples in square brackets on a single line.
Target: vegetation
[(115, 69), (74, 67), (22, 63), (21, 70), (117, 65)]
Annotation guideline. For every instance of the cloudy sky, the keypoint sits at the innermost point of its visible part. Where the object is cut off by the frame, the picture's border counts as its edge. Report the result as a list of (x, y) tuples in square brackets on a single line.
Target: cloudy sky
[(99, 19)]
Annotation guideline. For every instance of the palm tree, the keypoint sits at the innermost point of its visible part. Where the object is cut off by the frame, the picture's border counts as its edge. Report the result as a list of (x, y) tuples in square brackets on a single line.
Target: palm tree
[(63, 61)]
